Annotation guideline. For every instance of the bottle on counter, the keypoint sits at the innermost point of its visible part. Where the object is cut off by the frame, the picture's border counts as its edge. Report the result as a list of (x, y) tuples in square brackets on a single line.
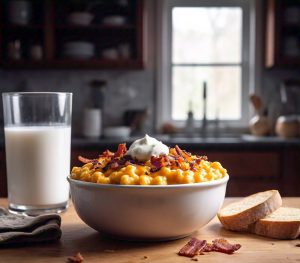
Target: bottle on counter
[(93, 113), (259, 125), (190, 122)]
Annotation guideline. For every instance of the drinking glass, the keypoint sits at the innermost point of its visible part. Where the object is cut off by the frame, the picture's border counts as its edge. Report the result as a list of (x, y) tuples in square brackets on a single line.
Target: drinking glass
[(37, 128)]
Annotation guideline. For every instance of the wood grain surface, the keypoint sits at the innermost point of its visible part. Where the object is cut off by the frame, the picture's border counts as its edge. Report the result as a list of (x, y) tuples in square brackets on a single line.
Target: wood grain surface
[(78, 237)]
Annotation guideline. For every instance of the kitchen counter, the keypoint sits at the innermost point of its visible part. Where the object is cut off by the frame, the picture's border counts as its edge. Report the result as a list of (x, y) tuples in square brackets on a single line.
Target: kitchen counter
[(78, 237), (232, 142), (222, 142)]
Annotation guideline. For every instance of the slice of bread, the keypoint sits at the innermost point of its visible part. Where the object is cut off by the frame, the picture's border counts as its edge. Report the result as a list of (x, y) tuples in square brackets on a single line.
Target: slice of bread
[(284, 223), (239, 215)]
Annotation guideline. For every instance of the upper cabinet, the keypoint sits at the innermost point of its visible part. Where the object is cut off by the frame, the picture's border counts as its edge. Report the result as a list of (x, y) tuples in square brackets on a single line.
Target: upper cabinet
[(282, 33), (71, 34)]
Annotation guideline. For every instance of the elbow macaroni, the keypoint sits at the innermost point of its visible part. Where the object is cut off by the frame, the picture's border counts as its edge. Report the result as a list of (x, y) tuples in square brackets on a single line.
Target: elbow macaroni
[(134, 174)]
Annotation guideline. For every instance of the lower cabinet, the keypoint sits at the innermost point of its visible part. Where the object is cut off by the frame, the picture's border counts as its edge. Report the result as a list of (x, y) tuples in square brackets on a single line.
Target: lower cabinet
[(250, 171)]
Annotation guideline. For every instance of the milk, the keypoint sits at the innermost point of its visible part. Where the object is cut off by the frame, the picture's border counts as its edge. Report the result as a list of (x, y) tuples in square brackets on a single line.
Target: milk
[(38, 163)]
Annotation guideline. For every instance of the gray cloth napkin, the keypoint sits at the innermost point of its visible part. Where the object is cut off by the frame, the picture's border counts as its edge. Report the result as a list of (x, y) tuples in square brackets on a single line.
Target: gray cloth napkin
[(16, 229)]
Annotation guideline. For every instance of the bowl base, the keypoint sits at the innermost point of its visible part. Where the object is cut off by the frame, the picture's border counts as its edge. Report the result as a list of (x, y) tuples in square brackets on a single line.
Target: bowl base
[(143, 239)]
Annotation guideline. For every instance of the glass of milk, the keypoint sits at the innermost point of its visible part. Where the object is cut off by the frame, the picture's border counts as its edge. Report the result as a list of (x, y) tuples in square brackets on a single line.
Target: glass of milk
[(37, 127)]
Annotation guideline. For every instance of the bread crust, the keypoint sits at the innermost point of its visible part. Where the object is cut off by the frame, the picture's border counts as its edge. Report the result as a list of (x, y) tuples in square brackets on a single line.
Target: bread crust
[(284, 223), (241, 221)]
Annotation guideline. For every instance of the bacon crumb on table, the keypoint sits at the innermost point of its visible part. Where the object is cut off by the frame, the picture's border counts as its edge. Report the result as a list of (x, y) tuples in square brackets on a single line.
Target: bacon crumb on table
[(196, 247), (78, 258), (192, 248), (223, 246)]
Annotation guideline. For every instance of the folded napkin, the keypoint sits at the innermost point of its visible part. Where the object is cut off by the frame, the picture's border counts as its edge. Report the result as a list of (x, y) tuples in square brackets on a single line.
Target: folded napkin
[(17, 229)]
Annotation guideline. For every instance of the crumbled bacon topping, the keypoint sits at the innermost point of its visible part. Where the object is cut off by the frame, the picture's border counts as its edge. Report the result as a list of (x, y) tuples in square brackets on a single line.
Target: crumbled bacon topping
[(196, 247), (86, 160), (177, 158)]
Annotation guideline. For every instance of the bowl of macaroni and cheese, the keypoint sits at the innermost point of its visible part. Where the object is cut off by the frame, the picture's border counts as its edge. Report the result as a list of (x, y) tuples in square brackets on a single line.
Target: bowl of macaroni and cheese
[(148, 192)]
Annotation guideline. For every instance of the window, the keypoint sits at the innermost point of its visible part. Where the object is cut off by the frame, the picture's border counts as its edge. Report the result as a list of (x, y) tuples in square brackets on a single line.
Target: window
[(204, 41)]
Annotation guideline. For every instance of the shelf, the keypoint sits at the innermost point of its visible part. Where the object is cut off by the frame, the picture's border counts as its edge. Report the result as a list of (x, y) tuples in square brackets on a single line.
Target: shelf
[(50, 30), (95, 27), (277, 34), (75, 64), (20, 27)]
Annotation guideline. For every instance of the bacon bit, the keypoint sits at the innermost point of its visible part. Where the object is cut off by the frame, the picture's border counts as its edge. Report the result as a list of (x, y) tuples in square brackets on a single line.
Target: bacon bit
[(223, 246), (76, 259), (184, 154), (196, 247), (208, 248), (159, 162), (107, 153), (121, 150), (86, 160), (195, 259), (192, 248), (297, 245), (114, 165)]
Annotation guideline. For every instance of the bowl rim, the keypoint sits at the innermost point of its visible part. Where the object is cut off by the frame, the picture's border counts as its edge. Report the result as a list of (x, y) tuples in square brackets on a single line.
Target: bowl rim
[(118, 186)]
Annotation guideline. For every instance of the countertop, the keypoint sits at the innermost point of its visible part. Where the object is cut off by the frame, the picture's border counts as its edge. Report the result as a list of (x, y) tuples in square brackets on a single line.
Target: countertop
[(222, 142), (78, 237)]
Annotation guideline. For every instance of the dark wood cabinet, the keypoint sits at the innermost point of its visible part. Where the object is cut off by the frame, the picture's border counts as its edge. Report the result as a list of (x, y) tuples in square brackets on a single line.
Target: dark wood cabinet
[(282, 33), (250, 170), (112, 40)]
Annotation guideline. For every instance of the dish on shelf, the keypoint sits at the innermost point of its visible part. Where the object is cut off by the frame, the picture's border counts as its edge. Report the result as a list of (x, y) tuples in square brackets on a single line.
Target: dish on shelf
[(80, 18), (117, 132), (115, 20), (79, 50), (110, 53)]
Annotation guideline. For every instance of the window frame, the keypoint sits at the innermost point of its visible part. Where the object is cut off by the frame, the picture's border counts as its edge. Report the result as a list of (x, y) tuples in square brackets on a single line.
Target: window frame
[(164, 62)]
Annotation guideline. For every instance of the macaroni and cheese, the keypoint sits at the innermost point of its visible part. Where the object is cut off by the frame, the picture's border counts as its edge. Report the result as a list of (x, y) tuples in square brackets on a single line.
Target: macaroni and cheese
[(175, 167)]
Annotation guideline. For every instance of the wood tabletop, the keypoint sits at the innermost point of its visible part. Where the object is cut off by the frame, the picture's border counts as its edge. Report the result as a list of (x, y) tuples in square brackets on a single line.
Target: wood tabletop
[(78, 237)]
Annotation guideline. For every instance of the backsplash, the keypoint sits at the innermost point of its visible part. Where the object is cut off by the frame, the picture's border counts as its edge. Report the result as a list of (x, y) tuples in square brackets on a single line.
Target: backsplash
[(124, 90)]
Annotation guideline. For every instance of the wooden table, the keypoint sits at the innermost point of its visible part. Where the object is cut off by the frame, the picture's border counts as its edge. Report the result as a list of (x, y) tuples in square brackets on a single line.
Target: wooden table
[(78, 237)]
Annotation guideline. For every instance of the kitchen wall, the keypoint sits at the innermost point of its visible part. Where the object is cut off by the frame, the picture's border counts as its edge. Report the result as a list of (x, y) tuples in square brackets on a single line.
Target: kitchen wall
[(134, 89), (125, 89), (270, 89)]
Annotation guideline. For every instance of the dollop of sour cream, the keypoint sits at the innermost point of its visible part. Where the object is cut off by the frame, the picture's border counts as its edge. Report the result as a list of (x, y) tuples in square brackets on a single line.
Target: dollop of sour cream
[(142, 149)]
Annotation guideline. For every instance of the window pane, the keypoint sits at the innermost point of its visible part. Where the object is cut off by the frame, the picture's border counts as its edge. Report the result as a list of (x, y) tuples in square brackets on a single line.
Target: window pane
[(223, 92), (207, 34)]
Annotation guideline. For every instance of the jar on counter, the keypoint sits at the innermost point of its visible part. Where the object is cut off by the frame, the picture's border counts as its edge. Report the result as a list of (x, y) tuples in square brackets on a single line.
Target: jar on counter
[(36, 52), (287, 126)]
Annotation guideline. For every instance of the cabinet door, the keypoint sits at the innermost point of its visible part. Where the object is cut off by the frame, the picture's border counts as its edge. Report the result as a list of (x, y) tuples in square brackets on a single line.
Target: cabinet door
[(250, 171), (282, 34), (291, 173)]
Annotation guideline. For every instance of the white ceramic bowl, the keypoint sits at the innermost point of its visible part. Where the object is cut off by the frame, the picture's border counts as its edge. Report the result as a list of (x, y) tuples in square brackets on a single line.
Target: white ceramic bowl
[(148, 212)]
